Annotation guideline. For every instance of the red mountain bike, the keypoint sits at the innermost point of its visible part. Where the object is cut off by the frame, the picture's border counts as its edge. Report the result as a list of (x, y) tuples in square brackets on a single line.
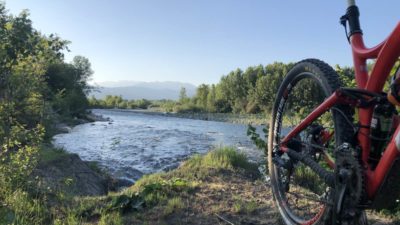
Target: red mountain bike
[(334, 151)]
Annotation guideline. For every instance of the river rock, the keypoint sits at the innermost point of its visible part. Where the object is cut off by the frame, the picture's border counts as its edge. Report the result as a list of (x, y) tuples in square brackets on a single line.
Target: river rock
[(94, 117), (62, 128)]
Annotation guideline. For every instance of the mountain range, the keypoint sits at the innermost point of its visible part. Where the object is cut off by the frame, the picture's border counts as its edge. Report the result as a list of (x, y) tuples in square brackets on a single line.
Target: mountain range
[(147, 90)]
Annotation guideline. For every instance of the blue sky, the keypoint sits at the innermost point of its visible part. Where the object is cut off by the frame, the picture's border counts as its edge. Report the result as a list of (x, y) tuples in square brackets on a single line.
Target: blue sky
[(199, 41)]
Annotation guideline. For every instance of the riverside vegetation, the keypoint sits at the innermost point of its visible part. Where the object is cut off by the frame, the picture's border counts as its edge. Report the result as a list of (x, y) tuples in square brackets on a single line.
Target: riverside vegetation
[(248, 92), (43, 185), (38, 90), (240, 96)]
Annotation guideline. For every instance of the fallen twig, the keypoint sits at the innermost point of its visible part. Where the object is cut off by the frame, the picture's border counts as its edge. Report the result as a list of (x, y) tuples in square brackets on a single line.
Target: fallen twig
[(222, 218)]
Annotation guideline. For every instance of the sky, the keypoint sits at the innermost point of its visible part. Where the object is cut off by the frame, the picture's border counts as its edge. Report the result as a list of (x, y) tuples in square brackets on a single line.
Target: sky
[(199, 41)]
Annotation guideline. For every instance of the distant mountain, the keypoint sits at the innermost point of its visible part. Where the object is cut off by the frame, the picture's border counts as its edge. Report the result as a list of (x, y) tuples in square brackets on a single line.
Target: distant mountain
[(148, 90)]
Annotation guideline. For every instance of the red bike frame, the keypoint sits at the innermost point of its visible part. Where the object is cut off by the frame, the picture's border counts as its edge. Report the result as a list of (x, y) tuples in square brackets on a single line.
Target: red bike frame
[(386, 55)]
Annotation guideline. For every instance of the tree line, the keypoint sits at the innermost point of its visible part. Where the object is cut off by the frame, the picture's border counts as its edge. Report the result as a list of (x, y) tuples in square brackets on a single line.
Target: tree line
[(240, 91)]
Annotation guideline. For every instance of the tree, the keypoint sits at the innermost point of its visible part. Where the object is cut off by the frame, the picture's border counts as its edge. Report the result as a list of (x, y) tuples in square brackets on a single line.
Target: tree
[(25, 56), (250, 77), (84, 72), (68, 84), (143, 103), (346, 75), (211, 99), (201, 96), (183, 98)]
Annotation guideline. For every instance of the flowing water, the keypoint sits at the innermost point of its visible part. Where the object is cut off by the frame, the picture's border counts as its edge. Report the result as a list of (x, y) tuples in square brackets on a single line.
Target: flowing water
[(132, 144)]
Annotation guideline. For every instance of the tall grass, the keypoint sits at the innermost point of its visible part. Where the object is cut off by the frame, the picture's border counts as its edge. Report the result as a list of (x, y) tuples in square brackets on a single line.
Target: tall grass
[(222, 158)]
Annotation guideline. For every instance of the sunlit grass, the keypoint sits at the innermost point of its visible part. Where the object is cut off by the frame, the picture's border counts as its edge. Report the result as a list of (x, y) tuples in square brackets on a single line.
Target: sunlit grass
[(173, 205)]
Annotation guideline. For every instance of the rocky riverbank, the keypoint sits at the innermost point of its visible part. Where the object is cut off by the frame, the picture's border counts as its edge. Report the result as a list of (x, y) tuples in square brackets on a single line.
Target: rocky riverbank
[(67, 173), (65, 125), (61, 172), (255, 119)]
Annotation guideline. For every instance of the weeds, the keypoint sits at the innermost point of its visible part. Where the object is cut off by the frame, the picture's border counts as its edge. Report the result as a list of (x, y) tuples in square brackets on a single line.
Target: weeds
[(222, 158), (113, 218), (48, 153), (24, 209), (244, 206), (174, 204)]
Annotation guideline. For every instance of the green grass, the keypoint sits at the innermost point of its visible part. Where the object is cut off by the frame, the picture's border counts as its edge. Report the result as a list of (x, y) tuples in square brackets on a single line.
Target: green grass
[(174, 204), (20, 208), (222, 158), (308, 179), (48, 153), (113, 218), (244, 206)]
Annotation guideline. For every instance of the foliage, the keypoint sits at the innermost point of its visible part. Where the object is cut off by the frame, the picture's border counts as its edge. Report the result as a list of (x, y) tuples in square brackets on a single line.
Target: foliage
[(68, 86), (183, 98), (255, 137), (113, 101), (25, 209), (346, 74), (249, 92), (35, 82)]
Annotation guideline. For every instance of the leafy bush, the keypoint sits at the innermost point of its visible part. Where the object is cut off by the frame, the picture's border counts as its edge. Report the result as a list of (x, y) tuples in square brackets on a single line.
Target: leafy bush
[(188, 108), (255, 137)]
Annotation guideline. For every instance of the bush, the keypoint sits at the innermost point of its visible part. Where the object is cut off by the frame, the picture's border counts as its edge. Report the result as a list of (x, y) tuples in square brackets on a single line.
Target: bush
[(188, 108)]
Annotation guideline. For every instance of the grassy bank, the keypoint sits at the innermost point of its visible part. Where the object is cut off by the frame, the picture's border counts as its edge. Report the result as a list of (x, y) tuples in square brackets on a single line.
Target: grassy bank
[(217, 188), (204, 189), (221, 185), (45, 196)]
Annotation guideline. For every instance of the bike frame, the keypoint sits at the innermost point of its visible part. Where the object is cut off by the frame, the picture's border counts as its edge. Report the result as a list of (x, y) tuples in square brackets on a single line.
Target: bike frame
[(386, 55)]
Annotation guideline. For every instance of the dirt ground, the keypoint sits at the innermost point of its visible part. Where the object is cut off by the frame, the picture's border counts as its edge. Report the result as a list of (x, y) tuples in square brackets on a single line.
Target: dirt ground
[(225, 198)]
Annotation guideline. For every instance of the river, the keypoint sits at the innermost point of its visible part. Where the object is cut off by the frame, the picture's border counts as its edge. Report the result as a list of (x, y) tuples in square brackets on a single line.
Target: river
[(132, 144)]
